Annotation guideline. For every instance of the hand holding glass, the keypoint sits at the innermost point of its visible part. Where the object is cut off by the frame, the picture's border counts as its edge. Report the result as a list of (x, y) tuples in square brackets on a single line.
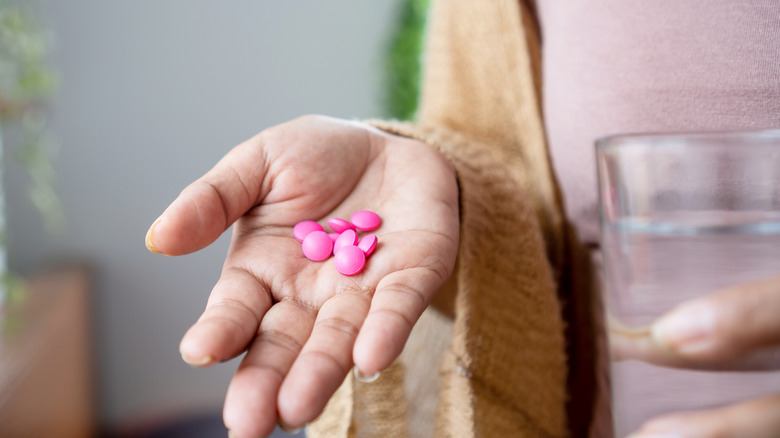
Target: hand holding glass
[(694, 219)]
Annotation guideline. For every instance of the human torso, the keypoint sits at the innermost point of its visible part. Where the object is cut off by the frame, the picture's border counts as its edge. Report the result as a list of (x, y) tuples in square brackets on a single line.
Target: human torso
[(617, 66)]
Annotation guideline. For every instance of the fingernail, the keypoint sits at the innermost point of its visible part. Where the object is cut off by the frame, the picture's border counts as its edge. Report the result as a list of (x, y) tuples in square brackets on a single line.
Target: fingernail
[(362, 377), (288, 429), (686, 329), (207, 360), (150, 237)]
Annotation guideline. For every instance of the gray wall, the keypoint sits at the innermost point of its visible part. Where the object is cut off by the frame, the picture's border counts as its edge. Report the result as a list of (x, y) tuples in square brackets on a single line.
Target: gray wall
[(153, 94)]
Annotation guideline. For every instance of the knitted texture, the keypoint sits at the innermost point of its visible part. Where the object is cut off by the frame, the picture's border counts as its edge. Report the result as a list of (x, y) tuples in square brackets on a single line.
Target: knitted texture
[(480, 82), (504, 372)]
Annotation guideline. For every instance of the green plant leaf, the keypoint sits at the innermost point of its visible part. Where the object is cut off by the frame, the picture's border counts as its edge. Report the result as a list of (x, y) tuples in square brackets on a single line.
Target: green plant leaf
[(404, 61)]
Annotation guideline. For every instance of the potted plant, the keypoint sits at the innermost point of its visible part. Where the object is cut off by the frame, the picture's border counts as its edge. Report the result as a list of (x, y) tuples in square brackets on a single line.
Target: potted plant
[(26, 82)]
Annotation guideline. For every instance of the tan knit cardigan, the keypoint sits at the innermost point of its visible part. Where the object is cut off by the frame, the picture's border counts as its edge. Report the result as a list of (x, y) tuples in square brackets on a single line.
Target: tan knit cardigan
[(518, 358)]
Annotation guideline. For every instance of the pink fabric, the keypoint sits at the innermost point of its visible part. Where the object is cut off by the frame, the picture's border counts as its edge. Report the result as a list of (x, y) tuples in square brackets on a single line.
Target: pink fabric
[(617, 66)]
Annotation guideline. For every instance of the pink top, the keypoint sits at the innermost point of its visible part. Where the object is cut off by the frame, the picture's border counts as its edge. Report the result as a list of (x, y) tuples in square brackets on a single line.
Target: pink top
[(617, 66)]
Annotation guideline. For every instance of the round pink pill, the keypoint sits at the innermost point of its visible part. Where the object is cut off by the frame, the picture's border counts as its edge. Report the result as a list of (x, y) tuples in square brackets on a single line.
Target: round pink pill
[(350, 260), (368, 244), (340, 225), (317, 246), (365, 220), (334, 236), (347, 238), (302, 229)]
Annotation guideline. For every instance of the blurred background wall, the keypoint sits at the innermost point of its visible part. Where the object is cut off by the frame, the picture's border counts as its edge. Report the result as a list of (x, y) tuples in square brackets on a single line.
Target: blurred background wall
[(152, 94)]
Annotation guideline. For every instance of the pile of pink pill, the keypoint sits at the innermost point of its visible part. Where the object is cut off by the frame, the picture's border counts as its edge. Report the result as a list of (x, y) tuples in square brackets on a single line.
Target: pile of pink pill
[(349, 250)]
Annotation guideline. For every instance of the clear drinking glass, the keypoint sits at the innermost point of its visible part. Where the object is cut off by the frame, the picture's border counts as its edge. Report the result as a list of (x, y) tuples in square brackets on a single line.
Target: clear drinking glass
[(684, 215)]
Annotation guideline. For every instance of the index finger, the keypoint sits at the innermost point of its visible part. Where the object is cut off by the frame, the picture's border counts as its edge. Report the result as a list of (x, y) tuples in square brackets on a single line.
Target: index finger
[(724, 326)]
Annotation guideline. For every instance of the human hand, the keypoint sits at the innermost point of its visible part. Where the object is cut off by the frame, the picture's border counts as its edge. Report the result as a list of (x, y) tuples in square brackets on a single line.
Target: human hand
[(302, 324), (735, 329)]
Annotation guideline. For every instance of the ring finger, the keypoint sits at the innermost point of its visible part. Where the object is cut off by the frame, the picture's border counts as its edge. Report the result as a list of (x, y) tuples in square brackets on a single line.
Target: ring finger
[(250, 404)]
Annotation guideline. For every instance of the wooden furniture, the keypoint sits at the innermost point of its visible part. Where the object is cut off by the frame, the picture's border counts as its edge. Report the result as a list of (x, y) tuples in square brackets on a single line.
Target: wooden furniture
[(46, 363)]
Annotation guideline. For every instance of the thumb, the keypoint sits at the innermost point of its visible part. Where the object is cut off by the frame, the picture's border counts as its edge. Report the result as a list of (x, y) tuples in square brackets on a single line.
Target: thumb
[(207, 207)]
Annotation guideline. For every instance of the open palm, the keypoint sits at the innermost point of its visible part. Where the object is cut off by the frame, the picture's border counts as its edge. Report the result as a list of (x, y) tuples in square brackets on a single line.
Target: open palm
[(302, 323)]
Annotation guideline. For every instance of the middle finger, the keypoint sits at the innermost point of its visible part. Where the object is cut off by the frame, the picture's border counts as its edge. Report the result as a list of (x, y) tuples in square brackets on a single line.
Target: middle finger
[(325, 359)]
